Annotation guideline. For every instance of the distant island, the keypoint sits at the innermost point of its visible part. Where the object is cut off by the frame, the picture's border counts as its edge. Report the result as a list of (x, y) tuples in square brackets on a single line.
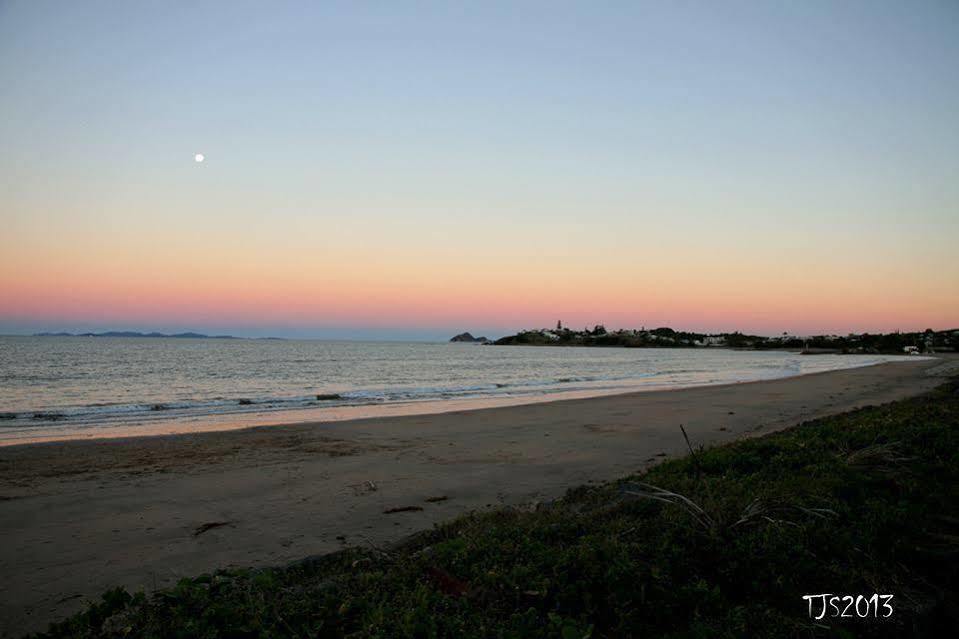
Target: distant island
[(917, 342), (469, 339), (138, 334)]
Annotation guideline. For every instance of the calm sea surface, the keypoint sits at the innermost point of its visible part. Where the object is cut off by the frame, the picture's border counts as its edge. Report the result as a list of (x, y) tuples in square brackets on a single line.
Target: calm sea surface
[(69, 387)]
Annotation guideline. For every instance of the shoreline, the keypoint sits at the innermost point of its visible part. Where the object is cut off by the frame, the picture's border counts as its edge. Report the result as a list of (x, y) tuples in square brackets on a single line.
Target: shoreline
[(81, 516), (358, 412)]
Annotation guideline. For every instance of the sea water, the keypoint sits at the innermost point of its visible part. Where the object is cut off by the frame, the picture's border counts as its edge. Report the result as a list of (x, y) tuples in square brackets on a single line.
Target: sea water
[(69, 387)]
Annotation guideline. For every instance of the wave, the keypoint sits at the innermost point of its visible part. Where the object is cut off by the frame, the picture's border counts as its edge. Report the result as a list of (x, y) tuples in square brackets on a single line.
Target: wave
[(157, 409), (113, 412)]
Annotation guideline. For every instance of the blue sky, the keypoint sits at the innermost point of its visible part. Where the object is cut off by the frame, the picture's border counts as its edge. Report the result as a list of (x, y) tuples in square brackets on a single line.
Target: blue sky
[(653, 147)]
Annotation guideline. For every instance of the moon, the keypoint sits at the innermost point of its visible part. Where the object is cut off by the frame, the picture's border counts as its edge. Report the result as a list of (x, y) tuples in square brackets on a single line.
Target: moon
[(198, 157)]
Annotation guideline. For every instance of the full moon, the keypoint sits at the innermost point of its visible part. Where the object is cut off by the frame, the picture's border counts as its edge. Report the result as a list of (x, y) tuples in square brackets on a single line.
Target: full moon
[(198, 157)]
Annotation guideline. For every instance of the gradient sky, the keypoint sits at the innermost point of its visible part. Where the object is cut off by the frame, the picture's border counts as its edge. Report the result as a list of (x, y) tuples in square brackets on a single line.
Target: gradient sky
[(416, 169)]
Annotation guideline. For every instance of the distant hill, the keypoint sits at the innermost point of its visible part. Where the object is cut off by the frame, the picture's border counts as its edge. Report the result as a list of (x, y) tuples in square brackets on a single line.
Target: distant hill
[(188, 335), (469, 339)]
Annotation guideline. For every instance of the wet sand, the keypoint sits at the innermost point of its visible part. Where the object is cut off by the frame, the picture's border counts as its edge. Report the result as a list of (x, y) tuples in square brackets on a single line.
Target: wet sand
[(79, 517)]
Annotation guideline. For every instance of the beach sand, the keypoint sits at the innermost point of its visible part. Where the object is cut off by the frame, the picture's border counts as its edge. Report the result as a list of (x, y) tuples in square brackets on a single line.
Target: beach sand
[(79, 517)]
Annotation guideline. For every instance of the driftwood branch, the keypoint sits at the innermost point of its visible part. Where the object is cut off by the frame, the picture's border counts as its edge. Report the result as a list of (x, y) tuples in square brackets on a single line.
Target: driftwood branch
[(692, 453)]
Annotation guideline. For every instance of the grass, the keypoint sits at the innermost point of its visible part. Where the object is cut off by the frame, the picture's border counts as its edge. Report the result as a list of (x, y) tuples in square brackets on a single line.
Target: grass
[(723, 543)]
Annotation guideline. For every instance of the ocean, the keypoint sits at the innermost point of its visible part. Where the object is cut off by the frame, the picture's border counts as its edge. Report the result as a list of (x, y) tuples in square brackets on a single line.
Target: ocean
[(54, 388)]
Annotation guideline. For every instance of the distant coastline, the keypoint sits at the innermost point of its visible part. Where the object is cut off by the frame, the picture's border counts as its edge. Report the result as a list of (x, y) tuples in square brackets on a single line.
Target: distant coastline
[(927, 341), (187, 335)]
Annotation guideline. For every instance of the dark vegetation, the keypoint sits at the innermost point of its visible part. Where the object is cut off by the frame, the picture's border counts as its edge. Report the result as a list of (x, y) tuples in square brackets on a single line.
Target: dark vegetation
[(723, 543), (925, 341), (599, 336)]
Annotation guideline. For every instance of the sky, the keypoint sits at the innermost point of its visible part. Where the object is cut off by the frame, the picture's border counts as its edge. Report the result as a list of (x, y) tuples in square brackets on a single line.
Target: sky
[(410, 170)]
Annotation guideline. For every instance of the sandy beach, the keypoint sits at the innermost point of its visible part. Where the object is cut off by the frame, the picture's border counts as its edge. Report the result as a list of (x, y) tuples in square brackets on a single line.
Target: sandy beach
[(79, 517)]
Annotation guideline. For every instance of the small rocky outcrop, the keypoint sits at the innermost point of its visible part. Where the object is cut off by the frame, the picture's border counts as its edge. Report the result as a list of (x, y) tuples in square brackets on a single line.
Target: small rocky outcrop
[(469, 339)]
